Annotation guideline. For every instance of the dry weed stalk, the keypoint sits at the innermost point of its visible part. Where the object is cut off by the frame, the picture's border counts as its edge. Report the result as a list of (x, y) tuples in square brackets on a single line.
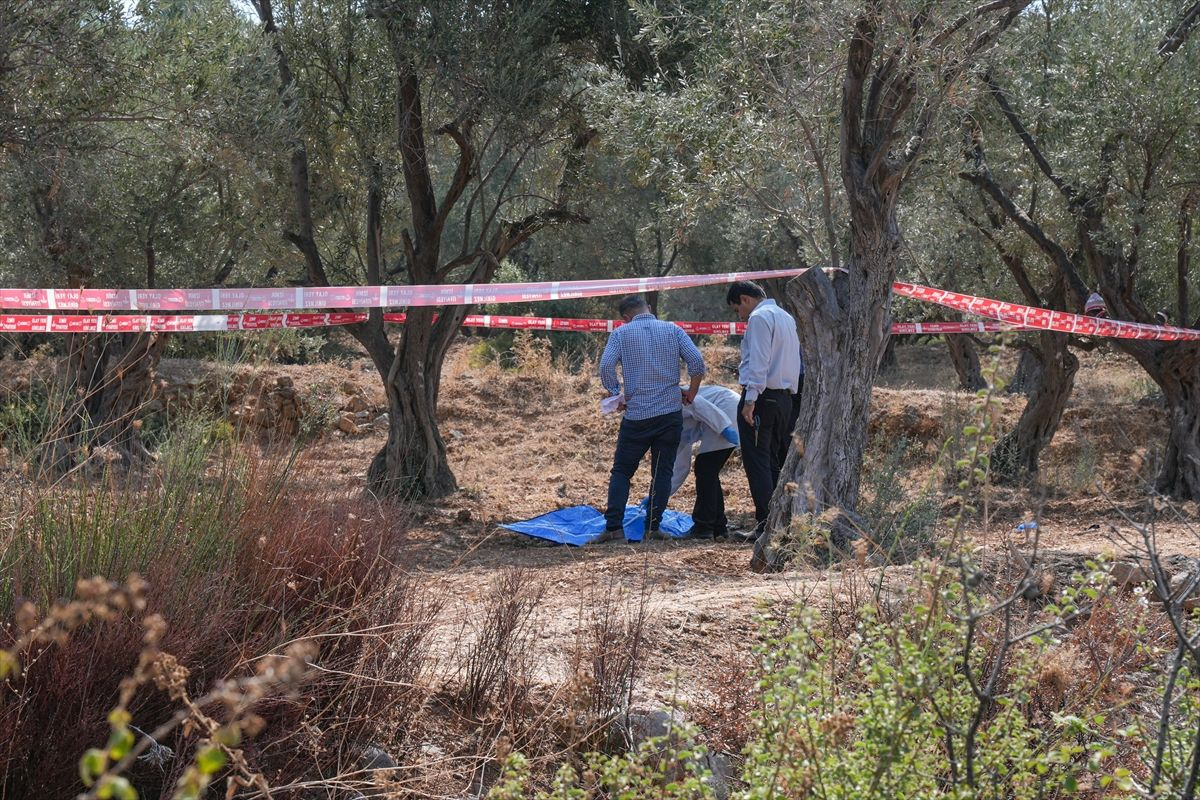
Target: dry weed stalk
[(99, 601), (1175, 595), (103, 769)]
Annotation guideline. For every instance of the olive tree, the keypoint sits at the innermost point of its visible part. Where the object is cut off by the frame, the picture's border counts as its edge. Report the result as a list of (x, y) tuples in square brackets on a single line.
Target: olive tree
[(442, 130)]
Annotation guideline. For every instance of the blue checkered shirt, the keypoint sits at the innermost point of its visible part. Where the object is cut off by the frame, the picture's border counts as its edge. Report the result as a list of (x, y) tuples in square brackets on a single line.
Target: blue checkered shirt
[(649, 351)]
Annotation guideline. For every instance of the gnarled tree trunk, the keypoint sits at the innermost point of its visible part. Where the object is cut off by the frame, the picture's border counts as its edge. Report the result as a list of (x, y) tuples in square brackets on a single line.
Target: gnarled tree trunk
[(1028, 376), (965, 358), (413, 462), (1179, 377), (886, 113), (1174, 366), (109, 380), (1016, 455), (843, 325)]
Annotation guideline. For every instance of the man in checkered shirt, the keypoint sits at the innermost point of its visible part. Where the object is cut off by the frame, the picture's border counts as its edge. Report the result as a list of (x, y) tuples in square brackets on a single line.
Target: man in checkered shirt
[(648, 351)]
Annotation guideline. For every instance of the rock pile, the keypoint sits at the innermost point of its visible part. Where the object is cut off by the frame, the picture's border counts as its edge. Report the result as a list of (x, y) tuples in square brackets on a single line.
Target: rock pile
[(264, 406), (357, 414)]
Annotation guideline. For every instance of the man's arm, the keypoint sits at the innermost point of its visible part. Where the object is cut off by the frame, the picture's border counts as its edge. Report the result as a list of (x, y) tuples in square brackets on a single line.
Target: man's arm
[(758, 356), (710, 416), (694, 361), (608, 365)]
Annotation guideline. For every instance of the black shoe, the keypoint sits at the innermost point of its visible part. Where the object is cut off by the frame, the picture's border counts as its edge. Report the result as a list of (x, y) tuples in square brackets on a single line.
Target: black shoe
[(743, 537), (609, 535), (700, 533), (657, 535)]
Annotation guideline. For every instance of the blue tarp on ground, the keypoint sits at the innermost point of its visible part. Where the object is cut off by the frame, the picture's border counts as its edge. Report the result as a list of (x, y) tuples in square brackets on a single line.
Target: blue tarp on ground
[(579, 525)]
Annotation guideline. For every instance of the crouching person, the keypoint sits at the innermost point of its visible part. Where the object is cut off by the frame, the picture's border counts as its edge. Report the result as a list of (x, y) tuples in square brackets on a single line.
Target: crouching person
[(710, 421)]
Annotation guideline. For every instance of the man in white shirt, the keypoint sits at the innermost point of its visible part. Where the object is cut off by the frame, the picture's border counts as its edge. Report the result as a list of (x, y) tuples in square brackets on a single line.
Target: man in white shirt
[(710, 421), (769, 373)]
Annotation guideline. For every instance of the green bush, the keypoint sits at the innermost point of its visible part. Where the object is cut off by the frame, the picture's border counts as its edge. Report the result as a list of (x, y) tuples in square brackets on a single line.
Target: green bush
[(941, 695), (664, 767), (277, 345), (899, 524)]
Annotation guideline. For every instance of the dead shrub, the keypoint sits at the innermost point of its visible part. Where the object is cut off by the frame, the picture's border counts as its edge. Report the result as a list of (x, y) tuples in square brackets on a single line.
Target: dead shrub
[(497, 665), (730, 699), (603, 663)]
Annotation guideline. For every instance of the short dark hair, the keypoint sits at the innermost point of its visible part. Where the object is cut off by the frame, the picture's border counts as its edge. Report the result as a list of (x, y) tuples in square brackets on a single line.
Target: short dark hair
[(740, 288), (631, 303)]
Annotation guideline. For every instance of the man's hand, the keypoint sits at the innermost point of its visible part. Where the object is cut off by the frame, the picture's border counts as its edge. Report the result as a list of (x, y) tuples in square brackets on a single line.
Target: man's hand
[(689, 395), (748, 414)]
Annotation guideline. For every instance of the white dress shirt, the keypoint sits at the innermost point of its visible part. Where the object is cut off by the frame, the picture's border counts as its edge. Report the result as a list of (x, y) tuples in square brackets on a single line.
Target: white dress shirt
[(770, 351), (710, 418)]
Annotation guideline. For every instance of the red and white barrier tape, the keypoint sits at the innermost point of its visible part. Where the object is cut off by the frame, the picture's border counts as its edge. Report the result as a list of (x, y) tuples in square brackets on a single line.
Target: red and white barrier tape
[(1009, 314), (1045, 319), (357, 296), (181, 323), (198, 323)]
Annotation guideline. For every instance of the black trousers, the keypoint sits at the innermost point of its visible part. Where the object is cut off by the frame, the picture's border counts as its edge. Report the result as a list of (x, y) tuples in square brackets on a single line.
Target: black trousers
[(763, 445), (708, 513), (660, 435)]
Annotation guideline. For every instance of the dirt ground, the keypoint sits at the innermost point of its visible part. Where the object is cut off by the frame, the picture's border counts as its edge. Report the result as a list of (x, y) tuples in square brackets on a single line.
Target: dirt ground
[(526, 440)]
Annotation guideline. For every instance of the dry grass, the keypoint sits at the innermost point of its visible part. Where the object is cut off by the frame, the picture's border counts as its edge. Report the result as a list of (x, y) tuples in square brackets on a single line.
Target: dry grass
[(237, 580)]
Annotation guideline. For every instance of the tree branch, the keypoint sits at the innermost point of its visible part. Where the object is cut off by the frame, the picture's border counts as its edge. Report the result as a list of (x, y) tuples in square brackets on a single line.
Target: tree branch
[(514, 233), (1015, 264), (1069, 192), (1178, 34), (1058, 255), (414, 155), (858, 62), (305, 240), (462, 174), (1183, 255)]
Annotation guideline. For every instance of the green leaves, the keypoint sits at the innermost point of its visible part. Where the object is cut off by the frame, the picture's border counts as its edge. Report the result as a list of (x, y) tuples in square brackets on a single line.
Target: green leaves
[(120, 742), (92, 765), (115, 787), (210, 759)]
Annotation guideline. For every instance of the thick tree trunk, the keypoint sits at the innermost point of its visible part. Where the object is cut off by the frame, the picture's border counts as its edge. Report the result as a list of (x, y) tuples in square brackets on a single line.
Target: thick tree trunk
[(109, 380), (1180, 381), (652, 299), (1016, 455), (843, 327), (1028, 376), (844, 323), (887, 361), (965, 358), (413, 462)]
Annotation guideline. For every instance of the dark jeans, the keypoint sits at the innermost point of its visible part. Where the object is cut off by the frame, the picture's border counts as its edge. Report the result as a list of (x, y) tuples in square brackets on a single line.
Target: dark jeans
[(761, 448), (708, 513), (792, 419), (659, 435)]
